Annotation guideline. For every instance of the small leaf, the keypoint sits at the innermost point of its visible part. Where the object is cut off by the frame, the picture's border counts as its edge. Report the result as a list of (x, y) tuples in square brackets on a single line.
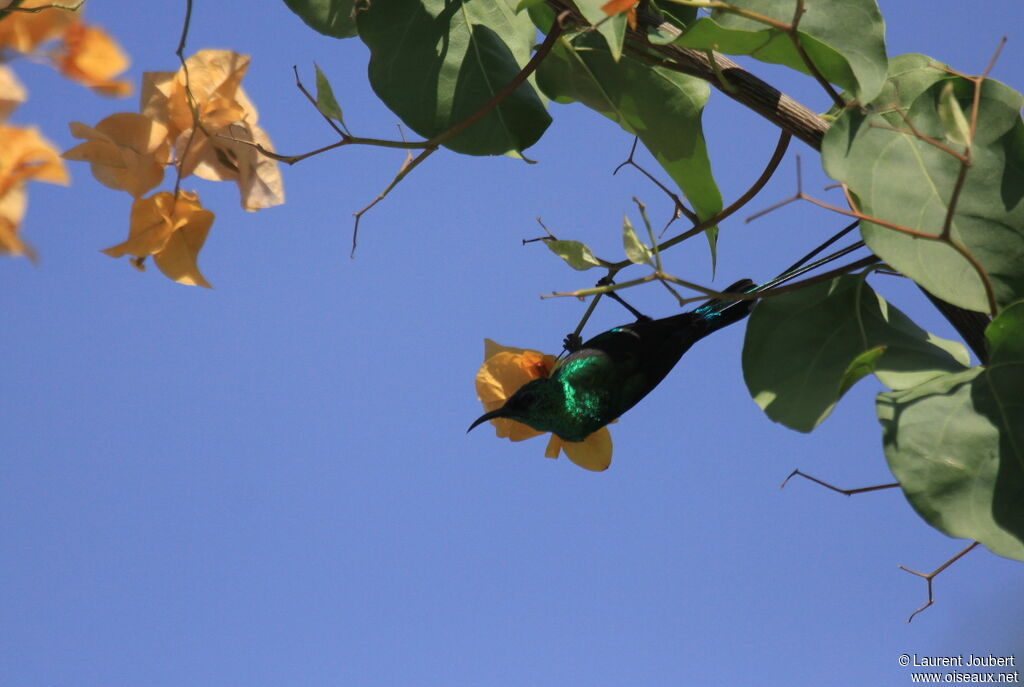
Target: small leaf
[(637, 252), (953, 120), (325, 101), (576, 254)]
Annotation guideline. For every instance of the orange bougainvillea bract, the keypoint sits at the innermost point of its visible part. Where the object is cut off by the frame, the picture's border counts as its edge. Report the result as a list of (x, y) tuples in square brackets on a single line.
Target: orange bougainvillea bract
[(504, 370), (128, 152), (170, 229), (222, 150), (92, 58)]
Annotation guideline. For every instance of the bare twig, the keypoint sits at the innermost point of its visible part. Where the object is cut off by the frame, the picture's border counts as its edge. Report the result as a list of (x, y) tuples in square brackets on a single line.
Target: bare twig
[(407, 166), (794, 36), (680, 208), (755, 188), (193, 106), (848, 492), (930, 576)]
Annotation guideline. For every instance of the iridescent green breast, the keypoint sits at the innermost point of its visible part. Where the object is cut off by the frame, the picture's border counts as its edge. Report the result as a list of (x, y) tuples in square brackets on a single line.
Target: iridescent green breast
[(587, 396)]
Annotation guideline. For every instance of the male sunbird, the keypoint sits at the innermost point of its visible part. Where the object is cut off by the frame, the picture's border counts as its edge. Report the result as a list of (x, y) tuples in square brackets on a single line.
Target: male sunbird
[(609, 374)]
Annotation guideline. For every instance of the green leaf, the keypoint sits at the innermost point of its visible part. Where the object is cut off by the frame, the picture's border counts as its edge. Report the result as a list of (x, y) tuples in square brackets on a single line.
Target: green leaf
[(636, 250), (576, 254), (907, 181), (329, 17), (660, 106), (325, 101), (845, 39), (804, 350), (612, 29), (950, 444), (436, 62)]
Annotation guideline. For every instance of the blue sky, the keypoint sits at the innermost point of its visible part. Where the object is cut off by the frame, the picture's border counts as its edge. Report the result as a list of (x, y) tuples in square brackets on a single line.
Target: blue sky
[(270, 482)]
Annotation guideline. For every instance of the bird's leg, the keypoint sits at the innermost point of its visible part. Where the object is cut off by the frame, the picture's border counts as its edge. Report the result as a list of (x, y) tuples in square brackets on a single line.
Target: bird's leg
[(640, 317), (572, 342)]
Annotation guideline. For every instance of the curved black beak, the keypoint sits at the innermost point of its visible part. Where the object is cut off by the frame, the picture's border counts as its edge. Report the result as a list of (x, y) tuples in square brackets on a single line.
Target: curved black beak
[(500, 412)]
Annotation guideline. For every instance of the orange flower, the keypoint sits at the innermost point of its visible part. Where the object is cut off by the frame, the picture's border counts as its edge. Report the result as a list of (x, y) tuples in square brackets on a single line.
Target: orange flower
[(505, 369), (92, 58), (221, 149), (170, 229), (126, 151), (24, 31)]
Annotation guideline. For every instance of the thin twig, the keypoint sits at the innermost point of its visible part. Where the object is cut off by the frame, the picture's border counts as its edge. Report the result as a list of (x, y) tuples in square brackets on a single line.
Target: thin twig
[(794, 36), (680, 207), (409, 165), (930, 576), (193, 106), (848, 492), (766, 175)]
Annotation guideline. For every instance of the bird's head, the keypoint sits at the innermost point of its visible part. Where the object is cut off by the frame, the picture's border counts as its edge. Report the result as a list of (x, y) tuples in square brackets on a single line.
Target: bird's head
[(527, 405)]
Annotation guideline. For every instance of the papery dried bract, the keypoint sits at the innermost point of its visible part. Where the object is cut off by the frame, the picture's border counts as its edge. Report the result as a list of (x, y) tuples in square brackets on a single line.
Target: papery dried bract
[(126, 151), (92, 58), (12, 209), (221, 150), (24, 31), (12, 92), (24, 156), (172, 231)]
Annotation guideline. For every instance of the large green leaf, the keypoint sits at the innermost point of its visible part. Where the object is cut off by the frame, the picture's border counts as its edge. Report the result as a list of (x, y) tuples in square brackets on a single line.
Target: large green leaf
[(436, 62), (956, 444), (660, 106), (903, 179), (804, 349), (845, 39), (329, 17)]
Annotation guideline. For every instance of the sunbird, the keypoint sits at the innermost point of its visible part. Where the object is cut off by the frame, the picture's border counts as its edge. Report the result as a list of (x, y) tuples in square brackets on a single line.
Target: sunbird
[(607, 375), (610, 373)]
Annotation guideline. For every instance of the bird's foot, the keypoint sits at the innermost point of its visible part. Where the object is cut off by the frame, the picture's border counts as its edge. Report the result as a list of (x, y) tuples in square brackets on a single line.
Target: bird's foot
[(572, 342)]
